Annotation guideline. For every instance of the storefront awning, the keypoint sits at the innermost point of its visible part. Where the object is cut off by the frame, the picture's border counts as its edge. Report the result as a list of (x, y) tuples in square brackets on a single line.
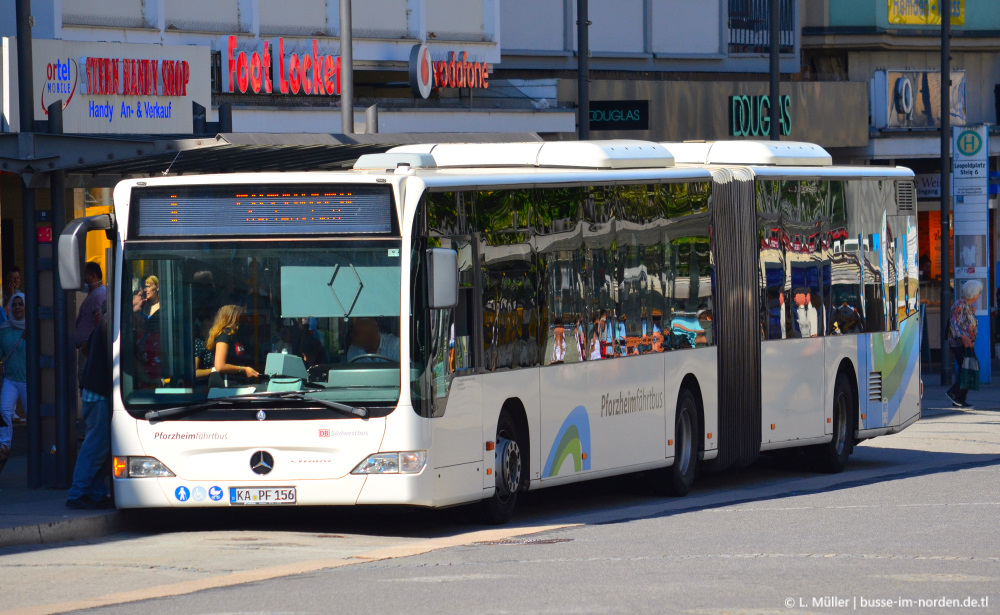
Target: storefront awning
[(96, 160)]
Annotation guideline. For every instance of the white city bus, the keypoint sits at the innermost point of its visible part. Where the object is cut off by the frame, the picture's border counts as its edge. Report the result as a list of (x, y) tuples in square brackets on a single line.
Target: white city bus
[(456, 323)]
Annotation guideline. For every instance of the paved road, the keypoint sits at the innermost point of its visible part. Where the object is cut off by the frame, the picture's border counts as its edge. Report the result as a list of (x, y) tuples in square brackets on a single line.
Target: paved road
[(914, 517)]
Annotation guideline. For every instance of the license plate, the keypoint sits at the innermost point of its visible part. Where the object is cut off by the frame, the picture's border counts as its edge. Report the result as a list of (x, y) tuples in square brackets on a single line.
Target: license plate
[(239, 496)]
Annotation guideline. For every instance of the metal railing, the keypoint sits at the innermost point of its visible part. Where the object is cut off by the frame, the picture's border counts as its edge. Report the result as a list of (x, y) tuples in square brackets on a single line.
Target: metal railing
[(749, 26)]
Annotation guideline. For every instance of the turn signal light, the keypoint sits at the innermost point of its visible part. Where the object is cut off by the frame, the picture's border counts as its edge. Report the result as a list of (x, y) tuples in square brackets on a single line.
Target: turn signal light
[(772, 426), (120, 467), (491, 446)]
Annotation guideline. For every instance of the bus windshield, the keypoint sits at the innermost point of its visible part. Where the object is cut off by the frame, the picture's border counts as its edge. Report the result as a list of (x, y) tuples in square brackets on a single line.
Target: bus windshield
[(204, 320)]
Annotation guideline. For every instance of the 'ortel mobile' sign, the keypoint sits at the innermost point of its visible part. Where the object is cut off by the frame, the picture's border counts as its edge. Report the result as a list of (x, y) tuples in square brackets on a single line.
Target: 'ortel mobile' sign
[(456, 72), (750, 116), (619, 115), (121, 88), (311, 72)]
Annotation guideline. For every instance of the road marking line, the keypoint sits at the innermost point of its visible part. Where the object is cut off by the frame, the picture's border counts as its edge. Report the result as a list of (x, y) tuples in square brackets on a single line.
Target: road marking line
[(285, 570)]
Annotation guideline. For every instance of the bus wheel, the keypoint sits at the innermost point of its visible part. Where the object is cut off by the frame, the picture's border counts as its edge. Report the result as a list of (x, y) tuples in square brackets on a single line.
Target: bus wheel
[(508, 472), (832, 456), (680, 476)]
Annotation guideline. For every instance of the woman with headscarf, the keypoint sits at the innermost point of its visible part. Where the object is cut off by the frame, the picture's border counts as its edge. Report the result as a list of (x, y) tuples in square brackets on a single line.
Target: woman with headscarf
[(15, 372)]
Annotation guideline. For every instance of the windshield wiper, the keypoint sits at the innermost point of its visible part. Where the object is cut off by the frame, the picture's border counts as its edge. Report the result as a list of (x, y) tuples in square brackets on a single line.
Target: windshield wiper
[(301, 396), (163, 413)]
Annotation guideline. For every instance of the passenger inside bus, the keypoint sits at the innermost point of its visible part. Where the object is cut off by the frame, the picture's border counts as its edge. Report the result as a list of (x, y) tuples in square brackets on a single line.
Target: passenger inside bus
[(148, 345), (221, 339), (298, 337), (805, 321)]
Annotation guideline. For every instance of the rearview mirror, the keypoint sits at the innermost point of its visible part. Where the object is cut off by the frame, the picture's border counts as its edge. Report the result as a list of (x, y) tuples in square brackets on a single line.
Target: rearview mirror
[(442, 278), (72, 250)]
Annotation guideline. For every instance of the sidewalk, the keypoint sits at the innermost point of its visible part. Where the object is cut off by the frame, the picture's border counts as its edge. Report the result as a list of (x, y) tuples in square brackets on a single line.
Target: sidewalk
[(39, 516)]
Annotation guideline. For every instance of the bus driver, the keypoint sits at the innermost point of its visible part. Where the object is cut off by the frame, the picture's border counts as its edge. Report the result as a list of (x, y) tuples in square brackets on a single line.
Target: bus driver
[(369, 344)]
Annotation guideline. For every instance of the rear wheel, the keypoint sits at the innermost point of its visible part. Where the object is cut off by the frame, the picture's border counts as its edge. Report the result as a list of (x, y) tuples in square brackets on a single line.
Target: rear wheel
[(832, 456), (680, 476), (508, 470)]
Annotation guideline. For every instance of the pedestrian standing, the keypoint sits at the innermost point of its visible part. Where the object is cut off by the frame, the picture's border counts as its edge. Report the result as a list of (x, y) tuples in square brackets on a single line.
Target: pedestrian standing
[(11, 285), (15, 373), (90, 311), (89, 490), (962, 330)]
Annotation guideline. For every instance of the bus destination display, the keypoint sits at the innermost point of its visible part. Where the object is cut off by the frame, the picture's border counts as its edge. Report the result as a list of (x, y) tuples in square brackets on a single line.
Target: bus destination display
[(269, 210)]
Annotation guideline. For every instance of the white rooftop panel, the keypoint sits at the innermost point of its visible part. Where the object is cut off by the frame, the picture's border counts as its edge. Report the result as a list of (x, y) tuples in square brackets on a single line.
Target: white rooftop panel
[(612, 154), (776, 153)]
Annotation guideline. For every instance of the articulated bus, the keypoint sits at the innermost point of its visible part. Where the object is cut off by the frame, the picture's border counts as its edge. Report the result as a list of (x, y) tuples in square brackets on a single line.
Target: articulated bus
[(459, 323)]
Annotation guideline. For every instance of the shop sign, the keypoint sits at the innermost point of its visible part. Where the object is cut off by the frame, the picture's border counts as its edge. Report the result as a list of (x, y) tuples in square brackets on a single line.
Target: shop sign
[(456, 72), (924, 12), (619, 115), (928, 185), (312, 73), (912, 99), (750, 116), (121, 88)]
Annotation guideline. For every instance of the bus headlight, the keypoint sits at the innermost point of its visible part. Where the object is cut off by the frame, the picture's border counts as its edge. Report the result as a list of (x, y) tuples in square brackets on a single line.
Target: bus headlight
[(140, 467), (407, 462)]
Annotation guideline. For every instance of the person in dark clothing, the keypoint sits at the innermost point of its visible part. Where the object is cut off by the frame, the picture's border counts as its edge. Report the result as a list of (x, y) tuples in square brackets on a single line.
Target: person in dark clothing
[(89, 490)]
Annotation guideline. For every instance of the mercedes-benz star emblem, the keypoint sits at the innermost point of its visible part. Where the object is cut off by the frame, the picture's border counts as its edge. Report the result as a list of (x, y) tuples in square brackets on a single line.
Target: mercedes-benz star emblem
[(260, 415), (261, 462)]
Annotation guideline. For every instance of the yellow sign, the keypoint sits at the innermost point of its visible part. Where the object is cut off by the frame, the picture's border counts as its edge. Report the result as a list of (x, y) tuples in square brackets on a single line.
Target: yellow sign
[(924, 12)]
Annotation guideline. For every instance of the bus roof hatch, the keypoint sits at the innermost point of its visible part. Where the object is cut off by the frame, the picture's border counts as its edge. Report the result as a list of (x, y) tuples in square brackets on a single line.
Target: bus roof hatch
[(776, 153), (611, 154)]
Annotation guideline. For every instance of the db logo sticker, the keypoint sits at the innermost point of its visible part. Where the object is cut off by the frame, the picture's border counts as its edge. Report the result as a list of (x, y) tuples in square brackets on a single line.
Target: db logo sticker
[(324, 433)]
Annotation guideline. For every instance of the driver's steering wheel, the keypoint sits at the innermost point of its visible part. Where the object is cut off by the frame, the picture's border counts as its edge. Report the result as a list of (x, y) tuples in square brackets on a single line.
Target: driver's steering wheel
[(371, 355)]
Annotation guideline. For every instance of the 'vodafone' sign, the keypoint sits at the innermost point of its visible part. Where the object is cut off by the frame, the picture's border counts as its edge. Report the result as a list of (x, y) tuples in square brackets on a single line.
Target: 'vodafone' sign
[(307, 73), (426, 74)]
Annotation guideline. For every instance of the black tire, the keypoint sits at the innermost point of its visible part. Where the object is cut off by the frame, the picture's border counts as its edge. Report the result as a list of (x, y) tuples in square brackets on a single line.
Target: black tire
[(509, 471), (831, 458), (679, 477)]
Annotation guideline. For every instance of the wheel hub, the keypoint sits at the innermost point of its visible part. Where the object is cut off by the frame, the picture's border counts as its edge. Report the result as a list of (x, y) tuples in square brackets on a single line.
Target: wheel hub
[(508, 466)]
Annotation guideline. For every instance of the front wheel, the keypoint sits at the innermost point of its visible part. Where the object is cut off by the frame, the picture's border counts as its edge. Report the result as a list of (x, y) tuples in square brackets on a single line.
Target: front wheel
[(831, 457), (680, 476), (508, 470)]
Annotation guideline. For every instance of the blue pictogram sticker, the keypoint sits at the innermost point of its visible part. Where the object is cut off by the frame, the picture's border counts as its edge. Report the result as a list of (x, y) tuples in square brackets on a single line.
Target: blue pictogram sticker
[(215, 493), (198, 493), (182, 494)]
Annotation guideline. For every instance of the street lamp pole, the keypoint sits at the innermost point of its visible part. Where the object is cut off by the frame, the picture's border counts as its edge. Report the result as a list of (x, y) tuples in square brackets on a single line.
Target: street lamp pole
[(775, 33), (946, 294), (583, 68)]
